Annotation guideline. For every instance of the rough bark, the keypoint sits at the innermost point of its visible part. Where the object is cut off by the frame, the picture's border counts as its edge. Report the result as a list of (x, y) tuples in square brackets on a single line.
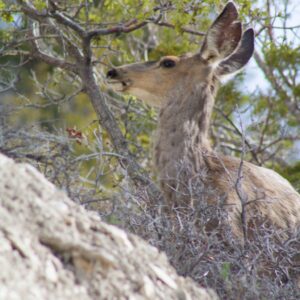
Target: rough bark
[(51, 248)]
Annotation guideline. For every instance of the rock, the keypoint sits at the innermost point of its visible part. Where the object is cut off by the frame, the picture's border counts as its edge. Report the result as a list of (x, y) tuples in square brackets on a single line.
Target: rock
[(52, 248)]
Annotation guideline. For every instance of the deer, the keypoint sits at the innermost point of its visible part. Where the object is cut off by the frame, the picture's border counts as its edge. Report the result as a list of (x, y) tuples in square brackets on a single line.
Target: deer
[(183, 88)]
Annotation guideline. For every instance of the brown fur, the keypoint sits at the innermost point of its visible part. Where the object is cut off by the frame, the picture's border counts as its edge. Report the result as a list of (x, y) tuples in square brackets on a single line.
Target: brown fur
[(185, 94)]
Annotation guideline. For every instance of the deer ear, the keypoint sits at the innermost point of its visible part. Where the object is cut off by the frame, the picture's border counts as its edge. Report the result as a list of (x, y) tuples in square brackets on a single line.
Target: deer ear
[(240, 57), (223, 36)]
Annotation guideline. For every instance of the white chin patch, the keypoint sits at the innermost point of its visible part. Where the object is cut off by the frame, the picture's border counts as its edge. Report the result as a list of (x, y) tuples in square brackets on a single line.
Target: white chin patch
[(145, 96), (116, 86)]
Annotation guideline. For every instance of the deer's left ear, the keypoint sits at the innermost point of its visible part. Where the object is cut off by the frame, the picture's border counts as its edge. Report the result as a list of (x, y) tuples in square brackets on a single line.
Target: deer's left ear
[(240, 57), (223, 36)]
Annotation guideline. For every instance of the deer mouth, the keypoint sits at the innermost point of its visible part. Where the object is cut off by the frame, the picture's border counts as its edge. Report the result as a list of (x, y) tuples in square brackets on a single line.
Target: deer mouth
[(119, 85)]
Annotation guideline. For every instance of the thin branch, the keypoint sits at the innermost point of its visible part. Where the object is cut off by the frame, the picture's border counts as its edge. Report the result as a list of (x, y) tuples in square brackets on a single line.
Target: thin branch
[(248, 144), (239, 188), (53, 61), (64, 20), (116, 29), (292, 105), (183, 29)]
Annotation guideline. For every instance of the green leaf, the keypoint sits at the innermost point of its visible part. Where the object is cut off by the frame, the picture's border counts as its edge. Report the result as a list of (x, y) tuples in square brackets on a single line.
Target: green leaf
[(40, 5), (7, 17), (225, 270)]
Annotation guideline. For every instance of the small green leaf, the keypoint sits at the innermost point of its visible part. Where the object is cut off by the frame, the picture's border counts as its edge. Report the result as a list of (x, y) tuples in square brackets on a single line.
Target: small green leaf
[(225, 270), (7, 17)]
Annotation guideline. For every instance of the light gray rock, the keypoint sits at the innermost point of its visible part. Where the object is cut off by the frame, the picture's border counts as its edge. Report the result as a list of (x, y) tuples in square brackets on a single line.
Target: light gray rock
[(51, 248)]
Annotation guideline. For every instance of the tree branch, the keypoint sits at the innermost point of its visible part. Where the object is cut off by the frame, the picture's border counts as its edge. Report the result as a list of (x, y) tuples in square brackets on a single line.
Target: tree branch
[(39, 54), (116, 29)]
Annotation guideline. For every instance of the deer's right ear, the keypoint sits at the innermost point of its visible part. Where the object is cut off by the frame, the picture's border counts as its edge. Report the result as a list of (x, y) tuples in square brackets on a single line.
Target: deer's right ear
[(240, 57), (223, 36)]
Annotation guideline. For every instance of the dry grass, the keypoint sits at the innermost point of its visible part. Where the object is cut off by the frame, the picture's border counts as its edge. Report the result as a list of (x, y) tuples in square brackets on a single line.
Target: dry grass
[(199, 243)]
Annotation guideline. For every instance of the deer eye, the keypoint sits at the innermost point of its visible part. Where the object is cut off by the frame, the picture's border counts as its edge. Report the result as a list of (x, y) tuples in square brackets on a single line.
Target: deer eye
[(168, 63)]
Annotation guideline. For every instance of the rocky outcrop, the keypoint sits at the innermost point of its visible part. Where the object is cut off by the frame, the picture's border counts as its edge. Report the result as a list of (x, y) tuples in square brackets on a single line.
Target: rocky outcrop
[(51, 248)]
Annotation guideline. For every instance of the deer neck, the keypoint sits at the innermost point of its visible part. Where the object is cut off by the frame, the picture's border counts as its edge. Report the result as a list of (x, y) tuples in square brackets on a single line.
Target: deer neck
[(184, 122)]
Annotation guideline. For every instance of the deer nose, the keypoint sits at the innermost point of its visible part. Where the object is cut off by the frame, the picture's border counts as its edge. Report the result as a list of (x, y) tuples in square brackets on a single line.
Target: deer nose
[(113, 73)]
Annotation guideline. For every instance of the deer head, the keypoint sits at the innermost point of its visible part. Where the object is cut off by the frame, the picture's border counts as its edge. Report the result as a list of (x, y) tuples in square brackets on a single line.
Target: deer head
[(224, 50)]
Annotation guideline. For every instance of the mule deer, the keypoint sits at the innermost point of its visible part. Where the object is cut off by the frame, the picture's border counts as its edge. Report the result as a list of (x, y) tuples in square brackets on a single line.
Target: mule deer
[(184, 89)]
